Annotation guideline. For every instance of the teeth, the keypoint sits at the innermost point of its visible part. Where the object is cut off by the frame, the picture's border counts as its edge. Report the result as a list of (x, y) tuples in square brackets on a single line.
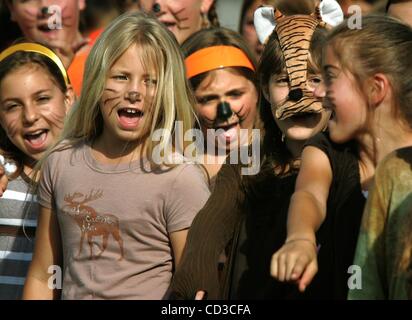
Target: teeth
[(36, 133), (131, 111)]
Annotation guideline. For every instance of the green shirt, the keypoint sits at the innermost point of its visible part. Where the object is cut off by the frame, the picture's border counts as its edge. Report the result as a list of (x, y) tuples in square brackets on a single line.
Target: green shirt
[(384, 246)]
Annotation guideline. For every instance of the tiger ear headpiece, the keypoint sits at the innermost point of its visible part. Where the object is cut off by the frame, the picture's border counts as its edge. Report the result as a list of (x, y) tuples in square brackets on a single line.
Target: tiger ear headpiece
[(295, 33)]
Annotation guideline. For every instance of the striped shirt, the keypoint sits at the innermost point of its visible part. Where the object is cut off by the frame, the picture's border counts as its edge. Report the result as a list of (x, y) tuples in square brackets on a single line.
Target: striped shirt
[(18, 220)]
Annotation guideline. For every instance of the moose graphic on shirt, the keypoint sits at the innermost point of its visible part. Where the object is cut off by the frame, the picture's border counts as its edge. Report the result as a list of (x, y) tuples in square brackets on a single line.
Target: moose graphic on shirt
[(91, 223)]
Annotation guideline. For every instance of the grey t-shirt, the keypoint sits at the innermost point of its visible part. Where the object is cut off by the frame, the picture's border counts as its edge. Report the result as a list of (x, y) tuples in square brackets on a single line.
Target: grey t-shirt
[(115, 222)]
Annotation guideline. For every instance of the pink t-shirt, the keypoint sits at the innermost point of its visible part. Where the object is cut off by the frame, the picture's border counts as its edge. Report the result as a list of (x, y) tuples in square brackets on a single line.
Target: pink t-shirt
[(115, 222)]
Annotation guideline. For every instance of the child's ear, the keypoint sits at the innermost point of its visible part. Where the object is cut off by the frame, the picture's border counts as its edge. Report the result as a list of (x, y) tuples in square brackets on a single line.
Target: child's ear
[(10, 7), (379, 87), (69, 98), (206, 4)]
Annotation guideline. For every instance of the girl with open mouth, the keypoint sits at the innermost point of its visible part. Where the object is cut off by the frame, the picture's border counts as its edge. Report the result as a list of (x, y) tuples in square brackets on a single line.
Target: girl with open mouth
[(221, 71), (35, 95)]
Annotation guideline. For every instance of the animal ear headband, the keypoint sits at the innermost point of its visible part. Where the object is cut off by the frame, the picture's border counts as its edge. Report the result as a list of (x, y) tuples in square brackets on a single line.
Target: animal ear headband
[(295, 33)]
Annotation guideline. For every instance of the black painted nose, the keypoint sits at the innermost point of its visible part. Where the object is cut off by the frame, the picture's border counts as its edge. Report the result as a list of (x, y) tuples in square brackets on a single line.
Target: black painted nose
[(224, 111), (156, 8), (295, 94)]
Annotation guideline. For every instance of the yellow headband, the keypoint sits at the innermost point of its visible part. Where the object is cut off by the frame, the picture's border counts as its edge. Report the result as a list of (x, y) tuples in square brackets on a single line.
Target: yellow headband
[(38, 48), (216, 57)]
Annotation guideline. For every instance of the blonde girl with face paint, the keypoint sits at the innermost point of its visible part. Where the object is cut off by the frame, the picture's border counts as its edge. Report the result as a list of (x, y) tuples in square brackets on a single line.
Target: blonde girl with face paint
[(113, 217), (35, 95)]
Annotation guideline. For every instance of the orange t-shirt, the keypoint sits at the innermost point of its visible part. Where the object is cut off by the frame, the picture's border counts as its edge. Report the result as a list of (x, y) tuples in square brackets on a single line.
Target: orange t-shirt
[(76, 69)]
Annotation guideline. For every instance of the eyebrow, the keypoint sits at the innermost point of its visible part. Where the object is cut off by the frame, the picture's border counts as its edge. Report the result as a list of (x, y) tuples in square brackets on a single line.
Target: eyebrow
[(34, 94), (208, 96), (330, 66)]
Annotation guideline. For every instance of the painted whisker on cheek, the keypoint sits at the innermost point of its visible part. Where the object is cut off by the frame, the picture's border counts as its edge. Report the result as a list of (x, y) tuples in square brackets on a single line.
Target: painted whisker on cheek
[(180, 20), (242, 116), (12, 128), (57, 119), (30, 18), (116, 95)]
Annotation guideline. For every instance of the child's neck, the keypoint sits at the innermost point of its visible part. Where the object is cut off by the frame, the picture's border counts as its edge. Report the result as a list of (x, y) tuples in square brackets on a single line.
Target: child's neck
[(385, 140), (107, 152), (373, 148), (295, 147)]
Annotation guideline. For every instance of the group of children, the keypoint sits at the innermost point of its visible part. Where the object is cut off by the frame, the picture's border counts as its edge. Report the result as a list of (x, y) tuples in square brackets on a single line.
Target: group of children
[(332, 105)]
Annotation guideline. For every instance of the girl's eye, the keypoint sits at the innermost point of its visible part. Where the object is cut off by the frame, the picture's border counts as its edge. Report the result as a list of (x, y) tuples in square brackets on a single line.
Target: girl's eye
[(235, 94), (328, 76), (315, 81), (282, 80), (150, 82), (204, 100), (10, 107), (120, 77), (43, 99)]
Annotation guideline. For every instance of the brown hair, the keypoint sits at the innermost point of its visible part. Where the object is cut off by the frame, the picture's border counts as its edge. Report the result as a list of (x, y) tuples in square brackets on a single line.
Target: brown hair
[(212, 15), (10, 64), (214, 37), (382, 45)]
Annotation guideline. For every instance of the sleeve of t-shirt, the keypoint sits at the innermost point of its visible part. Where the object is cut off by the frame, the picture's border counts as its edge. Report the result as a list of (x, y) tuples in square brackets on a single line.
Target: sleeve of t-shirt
[(45, 190), (188, 194)]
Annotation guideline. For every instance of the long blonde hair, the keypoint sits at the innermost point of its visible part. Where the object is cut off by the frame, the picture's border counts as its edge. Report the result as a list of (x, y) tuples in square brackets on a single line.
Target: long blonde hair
[(173, 100)]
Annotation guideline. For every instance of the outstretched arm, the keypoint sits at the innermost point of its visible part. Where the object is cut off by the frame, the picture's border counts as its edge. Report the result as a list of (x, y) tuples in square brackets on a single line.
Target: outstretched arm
[(296, 260)]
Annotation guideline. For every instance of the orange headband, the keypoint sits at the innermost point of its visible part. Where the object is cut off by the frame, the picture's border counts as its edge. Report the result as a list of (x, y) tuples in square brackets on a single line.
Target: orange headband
[(38, 48), (216, 57)]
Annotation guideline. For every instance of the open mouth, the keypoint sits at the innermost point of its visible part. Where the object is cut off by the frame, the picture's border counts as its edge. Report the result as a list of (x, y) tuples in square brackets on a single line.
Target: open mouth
[(37, 138), (304, 116), (44, 28), (169, 24), (226, 127), (229, 131), (129, 117)]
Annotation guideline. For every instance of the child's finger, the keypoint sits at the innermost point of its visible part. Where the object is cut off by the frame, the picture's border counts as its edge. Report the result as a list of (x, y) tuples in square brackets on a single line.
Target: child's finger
[(274, 266), (281, 267), (299, 267), (308, 275), (290, 264), (200, 295)]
